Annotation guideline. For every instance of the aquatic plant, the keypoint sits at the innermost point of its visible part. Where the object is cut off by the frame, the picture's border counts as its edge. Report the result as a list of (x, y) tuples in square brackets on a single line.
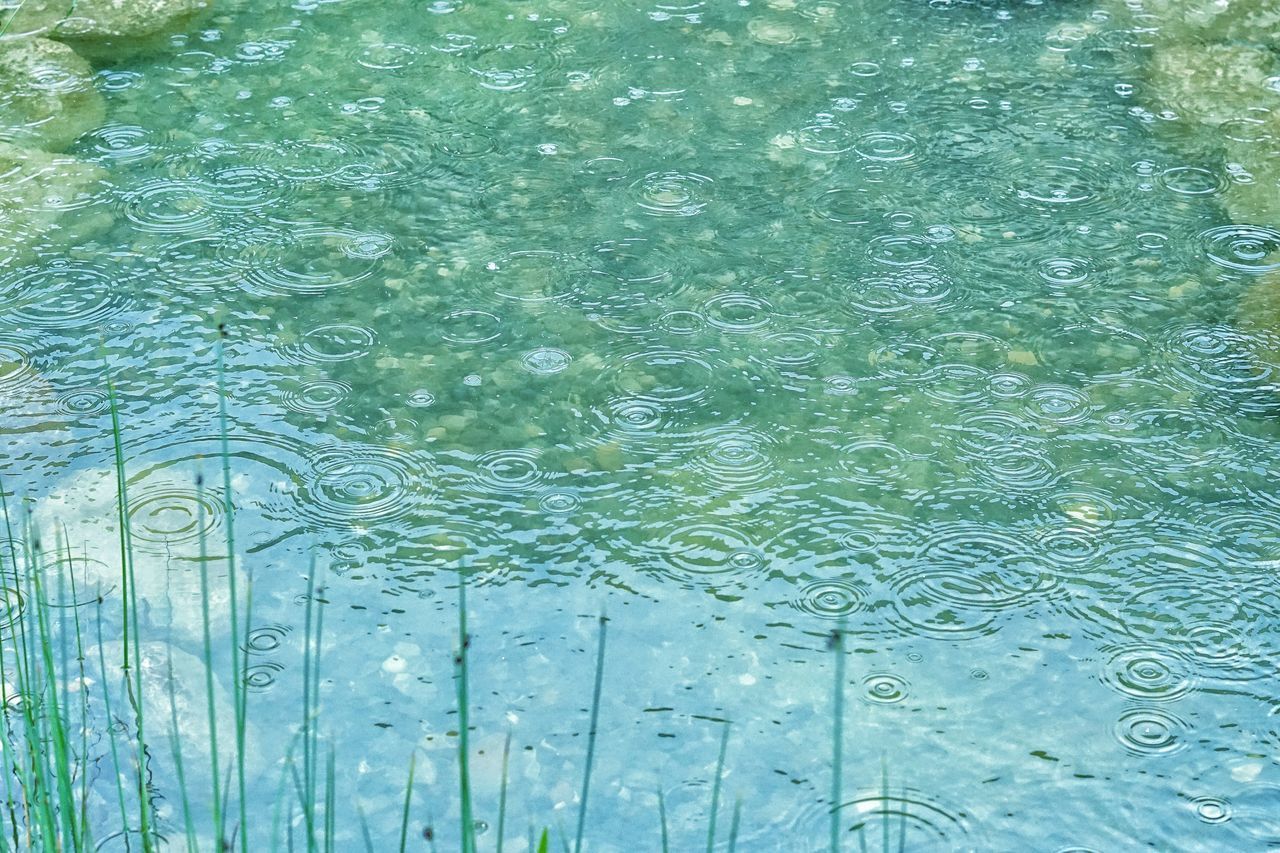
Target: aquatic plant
[(51, 717)]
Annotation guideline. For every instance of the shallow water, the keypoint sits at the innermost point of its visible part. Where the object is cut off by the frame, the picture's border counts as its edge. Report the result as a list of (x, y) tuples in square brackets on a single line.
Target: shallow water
[(737, 320)]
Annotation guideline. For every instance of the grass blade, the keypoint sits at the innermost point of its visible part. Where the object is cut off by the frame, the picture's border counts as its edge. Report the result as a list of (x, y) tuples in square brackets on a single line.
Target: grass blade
[(662, 816), (591, 734), (837, 737), (502, 796), (715, 789), (408, 796)]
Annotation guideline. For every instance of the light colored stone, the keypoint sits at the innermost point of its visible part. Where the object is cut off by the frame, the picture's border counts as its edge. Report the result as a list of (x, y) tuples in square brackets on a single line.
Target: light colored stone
[(102, 23), (47, 96)]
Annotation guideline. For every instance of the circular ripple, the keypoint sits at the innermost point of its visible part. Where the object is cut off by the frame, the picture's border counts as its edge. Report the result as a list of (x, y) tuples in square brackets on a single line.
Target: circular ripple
[(898, 292), (353, 484), (1212, 809), (120, 143), (511, 67), (559, 503), (169, 207), (831, 599), (265, 639), (1149, 672), (1221, 360), (901, 250), (317, 397), (845, 206), (872, 461), (508, 471), (387, 56), (165, 510), (672, 193), (1065, 273), (910, 818), (737, 312), (1189, 180), (1151, 731), (307, 261), (260, 676), (332, 343), (62, 295), (80, 401), (706, 554), (470, 327), (885, 688), (664, 376), (546, 361), (825, 137), (906, 359), (736, 459), (1245, 248), (529, 276), (1060, 404), (886, 146), (1066, 183)]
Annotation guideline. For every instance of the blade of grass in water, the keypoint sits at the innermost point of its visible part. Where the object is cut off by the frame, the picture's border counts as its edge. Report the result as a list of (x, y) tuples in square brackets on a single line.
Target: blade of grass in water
[(502, 795), (219, 830), (902, 824), (240, 694), (662, 817), (408, 797), (715, 789), (884, 800), (175, 747), (544, 843), (733, 826), (591, 734), (837, 737), (308, 793), (464, 760), (130, 620), (364, 829)]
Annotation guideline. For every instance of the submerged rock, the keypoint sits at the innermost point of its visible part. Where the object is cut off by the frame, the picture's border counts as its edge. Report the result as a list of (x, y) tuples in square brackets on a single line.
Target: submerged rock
[(1214, 83), (47, 96), (98, 26), (37, 189), (179, 691)]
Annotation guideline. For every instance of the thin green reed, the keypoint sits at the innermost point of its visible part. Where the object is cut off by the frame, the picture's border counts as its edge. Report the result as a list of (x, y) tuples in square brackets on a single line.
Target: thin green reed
[(175, 747), (408, 798), (82, 690), (502, 795), (219, 829), (734, 824), (837, 735), (662, 818), (53, 710), (133, 674), (464, 755), (591, 732), (12, 607), (715, 788), (239, 687)]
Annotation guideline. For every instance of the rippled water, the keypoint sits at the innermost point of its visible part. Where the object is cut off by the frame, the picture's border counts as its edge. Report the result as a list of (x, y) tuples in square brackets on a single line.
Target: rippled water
[(959, 321)]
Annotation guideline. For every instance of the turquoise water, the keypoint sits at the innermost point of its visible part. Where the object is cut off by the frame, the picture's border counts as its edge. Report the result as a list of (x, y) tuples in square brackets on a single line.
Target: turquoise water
[(957, 323)]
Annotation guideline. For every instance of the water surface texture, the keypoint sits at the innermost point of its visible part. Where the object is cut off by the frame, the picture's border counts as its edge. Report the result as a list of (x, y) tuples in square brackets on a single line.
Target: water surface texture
[(956, 321)]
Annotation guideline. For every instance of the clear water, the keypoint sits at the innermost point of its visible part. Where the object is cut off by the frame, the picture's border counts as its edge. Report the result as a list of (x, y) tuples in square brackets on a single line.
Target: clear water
[(955, 321)]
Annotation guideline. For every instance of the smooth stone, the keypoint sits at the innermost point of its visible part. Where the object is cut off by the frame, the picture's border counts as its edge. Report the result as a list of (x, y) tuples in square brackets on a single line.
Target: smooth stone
[(185, 685), (1213, 83), (36, 189), (47, 96), (102, 27)]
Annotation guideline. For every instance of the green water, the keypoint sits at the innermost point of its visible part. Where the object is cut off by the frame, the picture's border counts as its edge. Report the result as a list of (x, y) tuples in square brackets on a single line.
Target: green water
[(956, 321)]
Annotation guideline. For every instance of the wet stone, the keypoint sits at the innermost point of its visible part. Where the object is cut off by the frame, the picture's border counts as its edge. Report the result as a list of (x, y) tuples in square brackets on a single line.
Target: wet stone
[(100, 25), (47, 97)]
